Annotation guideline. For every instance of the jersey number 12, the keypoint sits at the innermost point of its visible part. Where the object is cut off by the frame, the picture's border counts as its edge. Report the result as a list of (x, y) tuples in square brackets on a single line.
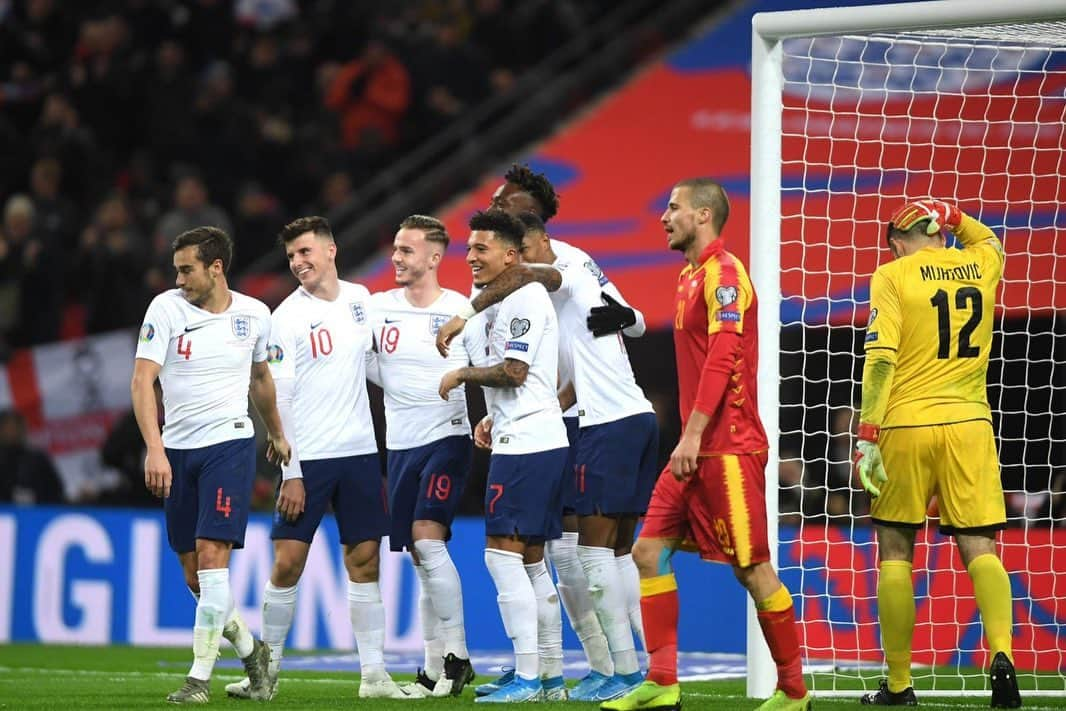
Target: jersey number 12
[(966, 297)]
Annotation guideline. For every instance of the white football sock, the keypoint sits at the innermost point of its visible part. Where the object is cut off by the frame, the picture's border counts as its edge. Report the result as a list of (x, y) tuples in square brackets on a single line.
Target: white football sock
[(574, 593), (235, 630), (608, 598), (627, 569), (518, 608), (368, 624), (434, 655), (279, 607), (212, 610), (549, 621), (446, 594)]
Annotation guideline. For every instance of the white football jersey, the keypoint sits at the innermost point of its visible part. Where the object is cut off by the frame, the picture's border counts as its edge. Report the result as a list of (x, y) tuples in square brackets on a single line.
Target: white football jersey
[(206, 366), (411, 368), (527, 418), (603, 377), (323, 345), (569, 254)]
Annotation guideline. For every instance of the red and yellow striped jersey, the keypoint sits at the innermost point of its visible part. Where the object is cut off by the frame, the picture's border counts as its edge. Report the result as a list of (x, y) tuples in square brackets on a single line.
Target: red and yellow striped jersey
[(715, 300)]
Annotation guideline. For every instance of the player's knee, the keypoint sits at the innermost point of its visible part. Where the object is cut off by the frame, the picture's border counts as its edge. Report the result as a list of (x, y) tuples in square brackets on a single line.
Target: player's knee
[(287, 571), (362, 561), (647, 554)]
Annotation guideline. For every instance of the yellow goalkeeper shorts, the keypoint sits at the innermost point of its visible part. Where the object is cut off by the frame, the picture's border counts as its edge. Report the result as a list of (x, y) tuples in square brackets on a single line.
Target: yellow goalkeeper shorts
[(957, 463)]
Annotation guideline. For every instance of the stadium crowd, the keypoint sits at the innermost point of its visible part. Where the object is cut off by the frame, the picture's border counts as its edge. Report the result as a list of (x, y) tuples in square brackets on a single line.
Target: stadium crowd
[(124, 122)]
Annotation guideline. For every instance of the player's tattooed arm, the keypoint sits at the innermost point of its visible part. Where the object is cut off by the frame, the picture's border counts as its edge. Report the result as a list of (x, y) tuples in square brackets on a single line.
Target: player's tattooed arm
[(514, 279), (510, 373)]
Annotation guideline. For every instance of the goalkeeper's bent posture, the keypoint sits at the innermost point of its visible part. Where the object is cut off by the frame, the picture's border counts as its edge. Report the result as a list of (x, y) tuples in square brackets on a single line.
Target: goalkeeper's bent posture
[(926, 427)]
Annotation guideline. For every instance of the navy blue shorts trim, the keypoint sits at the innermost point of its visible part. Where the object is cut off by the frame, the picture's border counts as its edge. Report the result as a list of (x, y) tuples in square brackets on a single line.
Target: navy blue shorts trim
[(352, 487), (426, 484), (210, 493)]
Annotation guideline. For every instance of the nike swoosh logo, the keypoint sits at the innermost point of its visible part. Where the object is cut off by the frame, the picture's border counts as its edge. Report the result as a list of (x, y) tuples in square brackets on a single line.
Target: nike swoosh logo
[(315, 325), (190, 329), (392, 320)]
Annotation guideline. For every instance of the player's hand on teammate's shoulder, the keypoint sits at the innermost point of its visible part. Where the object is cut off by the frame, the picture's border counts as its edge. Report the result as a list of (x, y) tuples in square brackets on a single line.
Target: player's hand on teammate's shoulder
[(278, 450), (483, 433), (942, 215), (291, 498), (610, 318), (157, 474), (449, 331)]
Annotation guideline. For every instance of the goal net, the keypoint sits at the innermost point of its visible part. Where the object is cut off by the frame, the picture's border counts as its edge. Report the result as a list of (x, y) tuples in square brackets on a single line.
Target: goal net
[(856, 110)]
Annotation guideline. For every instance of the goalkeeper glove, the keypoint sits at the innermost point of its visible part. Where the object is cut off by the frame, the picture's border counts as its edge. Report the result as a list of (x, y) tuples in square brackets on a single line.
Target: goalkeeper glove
[(867, 459), (941, 215), (607, 319)]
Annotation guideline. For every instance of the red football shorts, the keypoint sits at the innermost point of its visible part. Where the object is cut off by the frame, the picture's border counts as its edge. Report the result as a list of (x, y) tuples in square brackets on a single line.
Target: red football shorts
[(720, 510)]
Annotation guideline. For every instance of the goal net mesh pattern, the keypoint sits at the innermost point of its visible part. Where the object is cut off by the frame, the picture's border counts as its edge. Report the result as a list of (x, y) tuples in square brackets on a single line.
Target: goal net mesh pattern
[(974, 115)]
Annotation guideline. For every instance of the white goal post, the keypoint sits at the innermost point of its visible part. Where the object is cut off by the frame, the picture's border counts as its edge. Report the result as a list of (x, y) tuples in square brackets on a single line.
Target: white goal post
[(854, 110)]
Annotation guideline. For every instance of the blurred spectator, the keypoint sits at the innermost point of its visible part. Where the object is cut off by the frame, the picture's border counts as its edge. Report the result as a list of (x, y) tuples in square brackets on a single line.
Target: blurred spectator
[(123, 450), (192, 208), (30, 276), (59, 134), (225, 130), (842, 496), (264, 14), (790, 481), (56, 215), (169, 91), (371, 94), (27, 475), (111, 250), (452, 74), (258, 219)]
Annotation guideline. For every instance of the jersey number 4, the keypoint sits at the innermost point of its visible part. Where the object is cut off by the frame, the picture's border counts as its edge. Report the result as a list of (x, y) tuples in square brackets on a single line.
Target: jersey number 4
[(966, 297), (184, 347)]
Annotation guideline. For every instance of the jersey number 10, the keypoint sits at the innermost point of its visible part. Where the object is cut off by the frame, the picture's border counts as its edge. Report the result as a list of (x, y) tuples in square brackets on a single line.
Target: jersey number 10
[(321, 343), (966, 297)]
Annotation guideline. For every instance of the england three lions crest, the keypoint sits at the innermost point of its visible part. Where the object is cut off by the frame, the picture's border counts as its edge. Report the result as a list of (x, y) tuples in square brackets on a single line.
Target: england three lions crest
[(436, 321), (242, 326), (358, 312)]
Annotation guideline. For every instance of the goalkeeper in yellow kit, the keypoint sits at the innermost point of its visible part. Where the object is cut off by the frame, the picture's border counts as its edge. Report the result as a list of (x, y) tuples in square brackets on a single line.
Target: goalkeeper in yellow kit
[(926, 428)]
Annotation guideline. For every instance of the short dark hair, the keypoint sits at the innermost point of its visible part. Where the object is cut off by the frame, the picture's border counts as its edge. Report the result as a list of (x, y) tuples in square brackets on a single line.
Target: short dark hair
[(431, 227), (706, 192), (312, 223), (918, 229), (211, 243), (507, 228), (532, 222), (538, 186)]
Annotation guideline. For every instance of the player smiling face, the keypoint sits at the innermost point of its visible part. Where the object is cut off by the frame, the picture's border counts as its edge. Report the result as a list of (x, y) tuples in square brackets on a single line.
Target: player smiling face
[(413, 256), (680, 218), (488, 256), (195, 279), (311, 259)]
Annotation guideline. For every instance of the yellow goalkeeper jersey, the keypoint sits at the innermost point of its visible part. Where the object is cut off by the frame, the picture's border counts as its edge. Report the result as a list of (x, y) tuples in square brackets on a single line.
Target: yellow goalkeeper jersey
[(931, 313)]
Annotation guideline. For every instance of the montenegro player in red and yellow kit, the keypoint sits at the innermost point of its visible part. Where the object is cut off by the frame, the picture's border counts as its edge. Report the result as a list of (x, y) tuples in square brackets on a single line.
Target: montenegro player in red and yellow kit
[(926, 428), (712, 495)]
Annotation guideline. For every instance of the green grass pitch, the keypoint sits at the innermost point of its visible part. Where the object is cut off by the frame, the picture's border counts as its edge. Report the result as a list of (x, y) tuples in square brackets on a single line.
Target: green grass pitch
[(77, 678)]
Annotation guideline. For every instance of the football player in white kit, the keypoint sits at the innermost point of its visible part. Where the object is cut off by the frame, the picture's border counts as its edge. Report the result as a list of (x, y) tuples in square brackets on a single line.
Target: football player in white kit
[(529, 448), (428, 442), (522, 192), (319, 347), (207, 345)]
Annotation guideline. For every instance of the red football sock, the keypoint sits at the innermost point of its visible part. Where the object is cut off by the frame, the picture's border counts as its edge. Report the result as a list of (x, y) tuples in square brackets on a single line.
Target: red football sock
[(659, 609), (779, 629)]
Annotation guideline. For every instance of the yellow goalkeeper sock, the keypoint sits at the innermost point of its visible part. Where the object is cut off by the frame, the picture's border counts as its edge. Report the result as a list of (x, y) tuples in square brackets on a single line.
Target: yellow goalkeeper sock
[(895, 602), (992, 589)]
